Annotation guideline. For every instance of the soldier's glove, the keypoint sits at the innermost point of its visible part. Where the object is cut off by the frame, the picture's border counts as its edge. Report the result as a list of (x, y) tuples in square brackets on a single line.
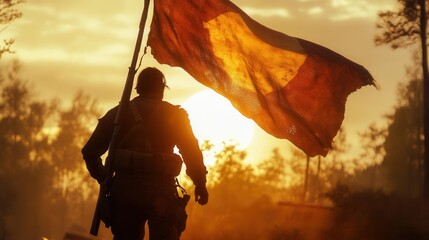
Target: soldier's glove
[(201, 194)]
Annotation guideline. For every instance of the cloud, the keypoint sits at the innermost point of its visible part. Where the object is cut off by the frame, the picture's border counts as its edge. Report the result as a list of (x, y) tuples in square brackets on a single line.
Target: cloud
[(333, 10), (267, 12), (351, 9), (52, 32), (315, 10)]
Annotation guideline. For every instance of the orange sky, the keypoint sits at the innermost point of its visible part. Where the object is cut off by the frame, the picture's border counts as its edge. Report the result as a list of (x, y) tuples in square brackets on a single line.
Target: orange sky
[(70, 45)]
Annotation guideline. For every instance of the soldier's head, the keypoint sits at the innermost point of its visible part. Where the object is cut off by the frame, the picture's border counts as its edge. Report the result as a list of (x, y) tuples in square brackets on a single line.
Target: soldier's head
[(151, 83)]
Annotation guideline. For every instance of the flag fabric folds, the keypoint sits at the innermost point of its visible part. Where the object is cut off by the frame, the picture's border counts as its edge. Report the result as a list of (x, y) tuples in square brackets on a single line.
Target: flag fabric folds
[(290, 87)]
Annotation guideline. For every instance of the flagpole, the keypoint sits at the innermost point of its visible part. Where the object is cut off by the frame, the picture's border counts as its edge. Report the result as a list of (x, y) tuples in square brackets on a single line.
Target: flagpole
[(119, 119), (307, 167)]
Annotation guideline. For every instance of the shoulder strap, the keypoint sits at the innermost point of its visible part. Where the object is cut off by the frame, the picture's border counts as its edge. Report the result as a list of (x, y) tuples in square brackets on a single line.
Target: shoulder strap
[(136, 114), (137, 137)]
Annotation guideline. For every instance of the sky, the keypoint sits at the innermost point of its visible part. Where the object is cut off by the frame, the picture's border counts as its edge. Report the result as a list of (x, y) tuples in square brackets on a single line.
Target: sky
[(65, 46)]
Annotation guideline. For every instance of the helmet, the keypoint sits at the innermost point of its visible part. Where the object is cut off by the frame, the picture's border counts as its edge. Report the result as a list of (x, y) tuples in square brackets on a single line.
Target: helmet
[(150, 81)]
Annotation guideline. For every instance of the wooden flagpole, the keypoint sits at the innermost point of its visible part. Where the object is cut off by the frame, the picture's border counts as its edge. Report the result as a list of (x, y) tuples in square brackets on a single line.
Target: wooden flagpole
[(119, 119)]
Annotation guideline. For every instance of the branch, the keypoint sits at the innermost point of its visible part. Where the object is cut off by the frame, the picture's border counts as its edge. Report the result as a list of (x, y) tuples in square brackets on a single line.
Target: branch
[(7, 15), (6, 48), (7, 11), (398, 29)]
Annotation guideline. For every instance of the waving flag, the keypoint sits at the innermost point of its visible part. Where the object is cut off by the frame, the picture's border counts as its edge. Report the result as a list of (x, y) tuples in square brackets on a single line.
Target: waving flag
[(291, 88)]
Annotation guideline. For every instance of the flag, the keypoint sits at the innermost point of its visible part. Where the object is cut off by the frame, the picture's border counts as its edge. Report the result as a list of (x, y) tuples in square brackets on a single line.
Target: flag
[(292, 88)]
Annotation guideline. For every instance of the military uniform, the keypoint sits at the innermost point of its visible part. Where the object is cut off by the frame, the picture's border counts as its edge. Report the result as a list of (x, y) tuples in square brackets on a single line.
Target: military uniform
[(141, 191)]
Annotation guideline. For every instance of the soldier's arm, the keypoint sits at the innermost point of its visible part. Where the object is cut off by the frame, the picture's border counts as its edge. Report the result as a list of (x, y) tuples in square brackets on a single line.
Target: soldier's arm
[(190, 150), (96, 146)]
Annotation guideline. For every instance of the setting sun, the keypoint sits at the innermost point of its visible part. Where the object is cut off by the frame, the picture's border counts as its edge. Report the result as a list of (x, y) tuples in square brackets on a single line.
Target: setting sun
[(213, 118)]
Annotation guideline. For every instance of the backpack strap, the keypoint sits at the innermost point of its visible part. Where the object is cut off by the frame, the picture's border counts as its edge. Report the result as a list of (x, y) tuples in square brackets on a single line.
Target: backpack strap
[(137, 137), (136, 114)]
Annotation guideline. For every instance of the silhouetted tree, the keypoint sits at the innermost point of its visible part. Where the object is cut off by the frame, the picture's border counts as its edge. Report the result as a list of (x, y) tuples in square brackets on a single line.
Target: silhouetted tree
[(273, 171), (45, 188), (277, 178), (336, 167), (8, 13), (229, 164), (401, 28), (403, 162), (25, 173), (231, 175), (231, 191), (372, 141), (71, 178), (375, 214)]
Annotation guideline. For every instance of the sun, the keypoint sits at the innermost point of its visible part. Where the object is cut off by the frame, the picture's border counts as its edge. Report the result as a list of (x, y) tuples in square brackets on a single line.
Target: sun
[(213, 118)]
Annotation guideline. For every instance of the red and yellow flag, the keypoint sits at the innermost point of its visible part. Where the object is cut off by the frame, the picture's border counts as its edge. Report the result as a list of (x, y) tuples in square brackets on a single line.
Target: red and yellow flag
[(291, 88)]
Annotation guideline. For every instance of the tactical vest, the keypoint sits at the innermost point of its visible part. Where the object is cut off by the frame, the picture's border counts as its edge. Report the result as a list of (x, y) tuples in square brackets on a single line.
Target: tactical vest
[(136, 154)]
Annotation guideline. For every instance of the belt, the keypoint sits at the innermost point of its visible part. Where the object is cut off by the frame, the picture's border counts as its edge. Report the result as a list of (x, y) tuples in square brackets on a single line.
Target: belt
[(132, 162)]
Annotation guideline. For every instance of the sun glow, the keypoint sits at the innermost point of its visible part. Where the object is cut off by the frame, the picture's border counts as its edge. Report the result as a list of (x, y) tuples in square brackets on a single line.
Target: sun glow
[(213, 118)]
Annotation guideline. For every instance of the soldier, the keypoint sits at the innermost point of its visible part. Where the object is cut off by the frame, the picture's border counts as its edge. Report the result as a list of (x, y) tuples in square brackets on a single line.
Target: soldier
[(143, 188)]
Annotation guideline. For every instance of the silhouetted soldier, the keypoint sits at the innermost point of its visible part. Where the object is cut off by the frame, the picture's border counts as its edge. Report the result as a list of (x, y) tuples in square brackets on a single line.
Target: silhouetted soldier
[(143, 188)]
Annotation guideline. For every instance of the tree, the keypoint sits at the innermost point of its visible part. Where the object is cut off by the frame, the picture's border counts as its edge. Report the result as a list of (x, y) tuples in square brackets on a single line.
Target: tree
[(45, 188), (71, 178), (337, 167), (229, 169), (372, 140), (284, 178), (8, 13), (401, 28), (25, 173), (273, 170), (232, 190), (404, 144)]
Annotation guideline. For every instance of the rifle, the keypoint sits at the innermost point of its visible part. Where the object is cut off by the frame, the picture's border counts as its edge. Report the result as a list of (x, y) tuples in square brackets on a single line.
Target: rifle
[(119, 119)]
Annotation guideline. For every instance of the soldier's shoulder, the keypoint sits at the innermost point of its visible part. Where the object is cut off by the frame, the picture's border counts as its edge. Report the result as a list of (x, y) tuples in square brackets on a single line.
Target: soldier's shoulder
[(175, 110), (110, 114)]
